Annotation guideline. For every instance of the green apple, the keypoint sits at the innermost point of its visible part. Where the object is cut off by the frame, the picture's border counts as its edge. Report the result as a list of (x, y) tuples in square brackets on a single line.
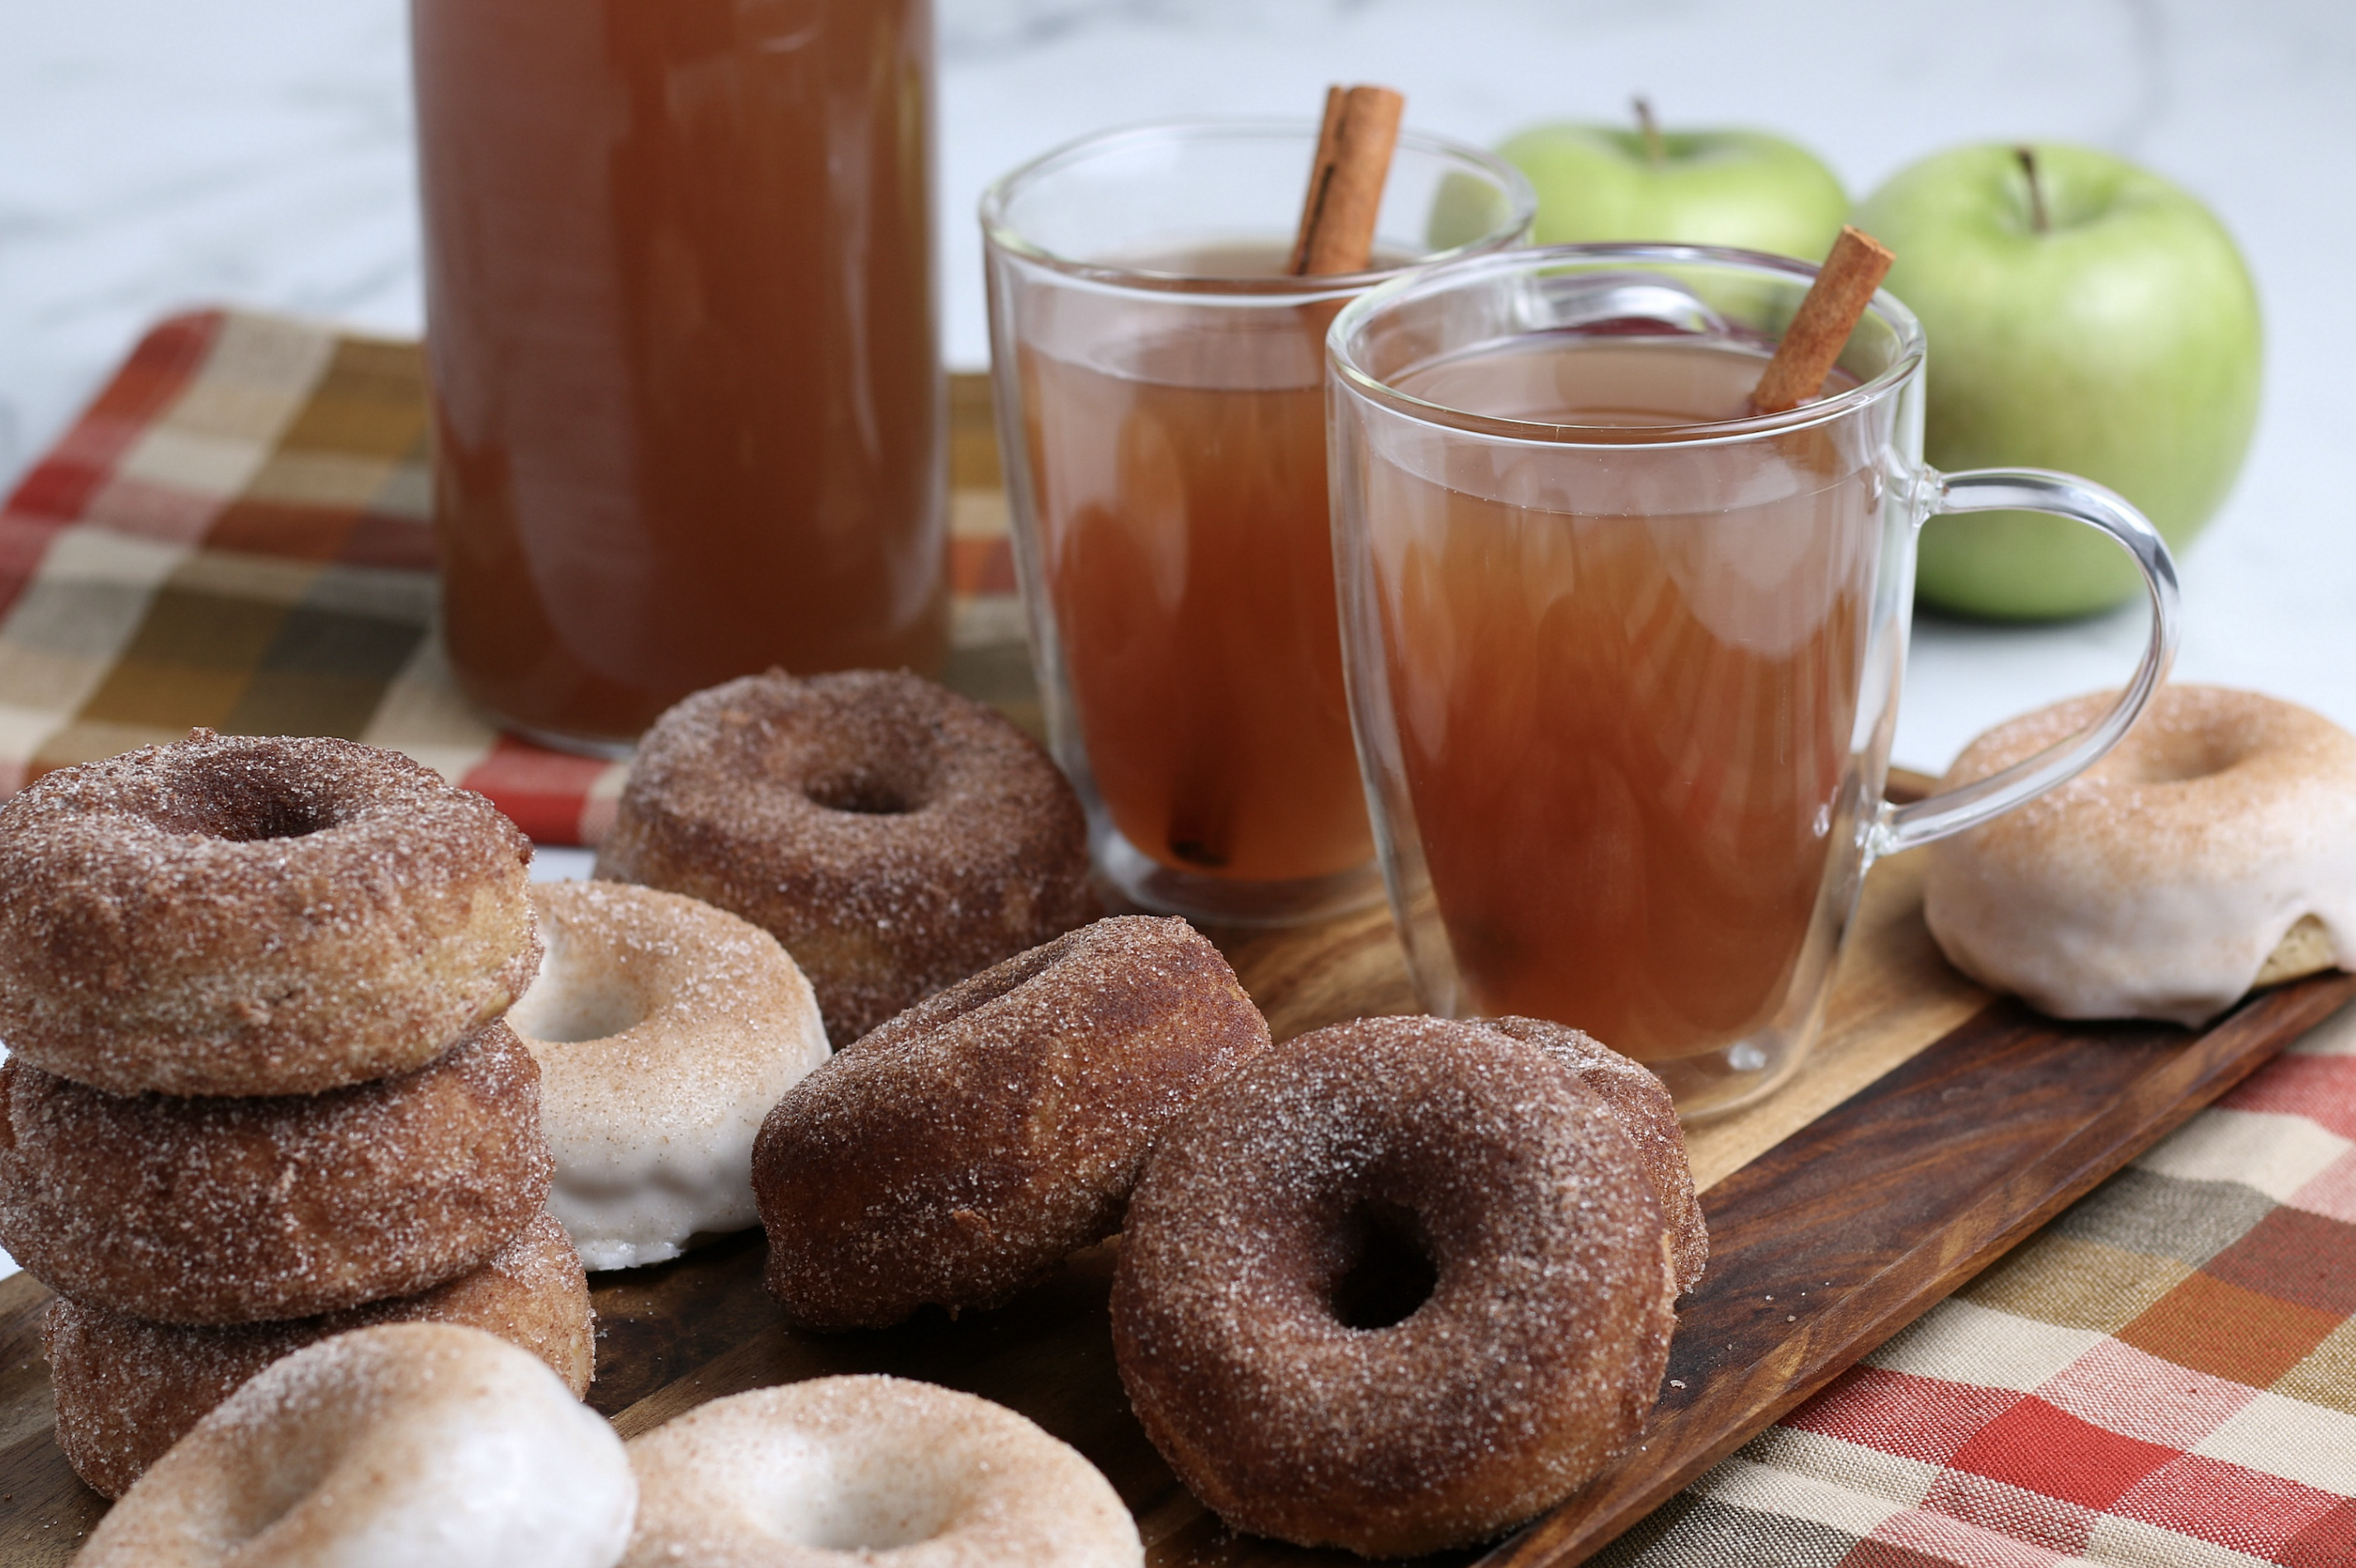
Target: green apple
[(1698, 188), (2091, 318)]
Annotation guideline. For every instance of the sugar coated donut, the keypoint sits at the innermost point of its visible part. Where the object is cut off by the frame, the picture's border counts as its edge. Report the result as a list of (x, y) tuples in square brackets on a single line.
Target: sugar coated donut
[(237, 1211), (665, 1030), (857, 1471), (963, 1150), (128, 1389), (1646, 1114), (386, 1447), (233, 915), (894, 836), (2213, 850), (1395, 1285)]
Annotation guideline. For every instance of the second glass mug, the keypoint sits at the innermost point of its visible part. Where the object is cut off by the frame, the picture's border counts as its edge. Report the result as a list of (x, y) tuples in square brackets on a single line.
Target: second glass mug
[(1159, 385), (1624, 658)]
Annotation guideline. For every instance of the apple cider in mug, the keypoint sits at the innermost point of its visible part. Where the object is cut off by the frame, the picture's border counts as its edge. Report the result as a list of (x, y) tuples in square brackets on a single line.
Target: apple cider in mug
[(1180, 479), (1160, 378), (1626, 724)]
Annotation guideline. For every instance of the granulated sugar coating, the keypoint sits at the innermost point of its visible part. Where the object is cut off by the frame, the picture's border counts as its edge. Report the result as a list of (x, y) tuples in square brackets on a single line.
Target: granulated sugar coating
[(128, 1389), (223, 1210), (1646, 1114), (2158, 883), (862, 1471), (231, 915), (964, 1149), (665, 1030), (1535, 1358), (396, 1447), (894, 836)]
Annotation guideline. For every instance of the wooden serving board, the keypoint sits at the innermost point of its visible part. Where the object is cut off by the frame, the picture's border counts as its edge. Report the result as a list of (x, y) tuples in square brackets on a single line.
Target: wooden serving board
[(1935, 1128)]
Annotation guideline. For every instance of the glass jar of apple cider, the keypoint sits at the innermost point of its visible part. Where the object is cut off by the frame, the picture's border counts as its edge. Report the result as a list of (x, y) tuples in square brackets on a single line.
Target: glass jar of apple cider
[(688, 404)]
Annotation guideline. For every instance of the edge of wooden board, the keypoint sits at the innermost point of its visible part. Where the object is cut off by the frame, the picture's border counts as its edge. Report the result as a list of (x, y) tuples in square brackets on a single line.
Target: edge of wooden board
[(1925, 1112)]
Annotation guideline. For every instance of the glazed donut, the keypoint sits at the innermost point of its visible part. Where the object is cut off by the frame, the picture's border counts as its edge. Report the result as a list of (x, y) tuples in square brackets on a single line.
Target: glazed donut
[(1646, 1114), (219, 1211), (231, 915), (2213, 851), (128, 1389), (855, 1471), (1395, 1286), (960, 1151), (665, 1030), (405, 1444), (894, 836)]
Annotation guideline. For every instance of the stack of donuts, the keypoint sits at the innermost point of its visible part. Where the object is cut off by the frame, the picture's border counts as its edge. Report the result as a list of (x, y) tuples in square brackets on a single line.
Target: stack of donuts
[(259, 1089)]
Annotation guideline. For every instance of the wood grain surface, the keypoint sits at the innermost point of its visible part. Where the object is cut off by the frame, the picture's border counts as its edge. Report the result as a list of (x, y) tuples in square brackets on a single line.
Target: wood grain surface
[(1937, 1129)]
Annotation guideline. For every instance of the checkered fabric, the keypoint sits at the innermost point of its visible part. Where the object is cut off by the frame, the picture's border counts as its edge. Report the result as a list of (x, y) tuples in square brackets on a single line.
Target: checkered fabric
[(2165, 1377), (235, 534)]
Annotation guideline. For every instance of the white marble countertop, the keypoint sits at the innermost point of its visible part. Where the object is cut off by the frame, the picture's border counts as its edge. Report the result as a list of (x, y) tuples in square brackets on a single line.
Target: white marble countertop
[(155, 154)]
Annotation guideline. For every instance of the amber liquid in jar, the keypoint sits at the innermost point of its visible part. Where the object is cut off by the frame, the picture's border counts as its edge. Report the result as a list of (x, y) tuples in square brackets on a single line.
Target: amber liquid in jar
[(687, 403), (1626, 730), (1183, 510)]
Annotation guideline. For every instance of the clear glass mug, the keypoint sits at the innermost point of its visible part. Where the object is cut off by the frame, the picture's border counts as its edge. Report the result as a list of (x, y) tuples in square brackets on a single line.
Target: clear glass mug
[(1159, 389), (1624, 686)]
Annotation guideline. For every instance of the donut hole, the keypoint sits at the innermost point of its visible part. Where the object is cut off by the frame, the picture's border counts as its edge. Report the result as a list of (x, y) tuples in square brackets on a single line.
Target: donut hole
[(2177, 755), (862, 794), (248, 809), (281, 1468), (862, 1502), (575, 998), (1387, 1271)]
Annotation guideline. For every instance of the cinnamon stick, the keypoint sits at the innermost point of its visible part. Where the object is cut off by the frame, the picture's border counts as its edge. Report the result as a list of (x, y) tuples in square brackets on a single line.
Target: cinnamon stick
[(1345, 184), (1843, 287)]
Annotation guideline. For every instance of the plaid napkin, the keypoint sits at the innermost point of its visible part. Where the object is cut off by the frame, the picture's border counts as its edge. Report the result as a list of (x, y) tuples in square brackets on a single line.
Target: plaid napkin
[(235, 534), (2165, 1377)]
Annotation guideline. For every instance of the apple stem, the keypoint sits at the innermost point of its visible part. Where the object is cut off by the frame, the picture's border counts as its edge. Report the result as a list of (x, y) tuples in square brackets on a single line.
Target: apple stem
[(2038, 219), (1655, 148)]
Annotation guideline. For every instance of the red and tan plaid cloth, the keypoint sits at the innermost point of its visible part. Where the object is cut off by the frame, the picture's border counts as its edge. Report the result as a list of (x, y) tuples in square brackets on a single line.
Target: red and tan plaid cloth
[(234, 534), (2165, 1377)]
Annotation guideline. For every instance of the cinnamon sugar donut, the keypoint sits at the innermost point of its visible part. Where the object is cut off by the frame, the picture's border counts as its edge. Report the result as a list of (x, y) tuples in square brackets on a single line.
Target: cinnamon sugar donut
[(665, 1029), (1646, 1114), (960, 1151), (394, 1446), (232, 915), (229, 1210), (2213, 851), (1395, 1285), (128, 1389), (859, 1471), (894, 836)]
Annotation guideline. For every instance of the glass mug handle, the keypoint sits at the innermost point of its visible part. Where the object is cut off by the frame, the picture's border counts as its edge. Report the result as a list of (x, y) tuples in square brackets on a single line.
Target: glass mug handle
[(2080, 500)]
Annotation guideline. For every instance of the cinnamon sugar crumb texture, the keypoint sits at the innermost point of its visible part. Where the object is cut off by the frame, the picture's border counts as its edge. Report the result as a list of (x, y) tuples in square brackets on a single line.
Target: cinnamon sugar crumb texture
[(1646, 1113), (857, 1471), (128, 1389), (960, 1151), (1395, 1285), (396, 1447), (665, 1029), (236, 1210), (2213, 850), (241, 915), (896, 836)]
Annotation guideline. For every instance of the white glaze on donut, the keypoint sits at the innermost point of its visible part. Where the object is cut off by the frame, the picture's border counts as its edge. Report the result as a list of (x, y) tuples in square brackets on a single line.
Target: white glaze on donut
[(387, 1447), (665, 1030), (2156, 883), (839, 1472)]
